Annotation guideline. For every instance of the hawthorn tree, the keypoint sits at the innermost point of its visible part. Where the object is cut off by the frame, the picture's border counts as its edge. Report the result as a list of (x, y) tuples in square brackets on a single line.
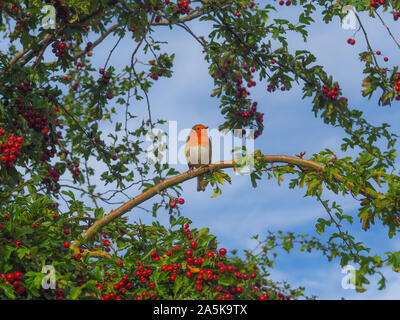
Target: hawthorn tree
[(52, 113)]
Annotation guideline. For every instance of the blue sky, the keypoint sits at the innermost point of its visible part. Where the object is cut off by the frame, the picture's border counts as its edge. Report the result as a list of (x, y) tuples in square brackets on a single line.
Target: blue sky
[(290, 127)]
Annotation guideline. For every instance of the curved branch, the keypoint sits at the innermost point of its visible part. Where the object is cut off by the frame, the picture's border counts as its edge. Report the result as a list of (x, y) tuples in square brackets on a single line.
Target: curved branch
[(151, 192)]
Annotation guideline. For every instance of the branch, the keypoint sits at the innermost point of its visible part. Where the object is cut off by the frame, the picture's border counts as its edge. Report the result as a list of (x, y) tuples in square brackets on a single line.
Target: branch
[(368, 43), (151, 192), (390, 33)]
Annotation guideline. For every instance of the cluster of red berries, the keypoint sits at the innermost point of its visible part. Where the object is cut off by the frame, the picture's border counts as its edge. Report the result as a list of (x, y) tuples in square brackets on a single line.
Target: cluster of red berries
[(332, 93), (121, 286), (253, 113), (182, 7), (173, 203), (158, 70), (13, 279), (76, 257), (76, 172), (237, 13), (20, 24), (36, 225), (36, 120), (10, 150), (62, 11), (204, 276), (106, 77), (25, 86), (386, 59), (396, 15), (60, 48), (154, 75), (158, 18), (241, 91), (396, 86), (172, 269), (271, 87), (86, 27), (59, 294), (106, 80), (106, 243), (143, 273), (48, 154), (54, 175), (114, 156), (288, 2), (13, 7), (376, 4), (89, 46)]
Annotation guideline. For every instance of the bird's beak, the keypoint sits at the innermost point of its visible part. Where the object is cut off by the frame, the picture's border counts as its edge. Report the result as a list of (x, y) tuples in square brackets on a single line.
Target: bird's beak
[(206, 127)]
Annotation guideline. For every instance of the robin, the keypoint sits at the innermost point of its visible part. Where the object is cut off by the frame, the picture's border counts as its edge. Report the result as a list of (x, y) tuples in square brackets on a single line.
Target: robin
[(198, 151)]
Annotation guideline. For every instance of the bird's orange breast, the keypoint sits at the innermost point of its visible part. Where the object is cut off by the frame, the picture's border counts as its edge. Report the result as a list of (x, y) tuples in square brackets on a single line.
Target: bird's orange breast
[(197, 138)]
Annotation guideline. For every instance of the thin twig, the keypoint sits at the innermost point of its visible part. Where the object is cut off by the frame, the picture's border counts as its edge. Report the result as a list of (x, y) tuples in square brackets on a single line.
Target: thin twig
[(390, 33)]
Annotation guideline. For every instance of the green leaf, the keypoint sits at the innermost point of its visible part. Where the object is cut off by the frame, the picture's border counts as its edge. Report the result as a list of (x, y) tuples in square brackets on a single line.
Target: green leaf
[(8, 290)]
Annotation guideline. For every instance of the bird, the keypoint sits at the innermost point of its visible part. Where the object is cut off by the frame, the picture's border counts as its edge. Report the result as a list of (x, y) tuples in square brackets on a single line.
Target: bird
[(198, 151)]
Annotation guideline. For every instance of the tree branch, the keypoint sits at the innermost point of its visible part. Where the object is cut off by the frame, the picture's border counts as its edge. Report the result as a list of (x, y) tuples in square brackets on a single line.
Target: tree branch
[(151, 192)]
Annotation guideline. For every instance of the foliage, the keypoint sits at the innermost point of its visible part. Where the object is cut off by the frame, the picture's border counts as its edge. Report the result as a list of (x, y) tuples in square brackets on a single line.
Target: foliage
[(54, 112)]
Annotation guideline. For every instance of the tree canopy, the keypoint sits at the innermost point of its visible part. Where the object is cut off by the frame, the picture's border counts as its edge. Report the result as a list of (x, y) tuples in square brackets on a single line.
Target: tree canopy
[(56, 107)]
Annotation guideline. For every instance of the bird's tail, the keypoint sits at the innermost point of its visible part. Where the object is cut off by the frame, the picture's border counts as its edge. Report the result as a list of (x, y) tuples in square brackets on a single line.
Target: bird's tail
[(200, 185)]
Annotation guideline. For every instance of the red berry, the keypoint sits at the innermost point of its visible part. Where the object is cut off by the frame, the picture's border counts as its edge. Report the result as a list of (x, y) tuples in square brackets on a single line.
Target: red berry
[(351, 41), (172, 277), (222, 251), (10, 277), (210, 254), (193, 244)]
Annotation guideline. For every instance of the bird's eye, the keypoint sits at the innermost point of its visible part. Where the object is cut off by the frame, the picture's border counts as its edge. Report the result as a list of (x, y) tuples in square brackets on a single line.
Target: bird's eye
[(197, 128)]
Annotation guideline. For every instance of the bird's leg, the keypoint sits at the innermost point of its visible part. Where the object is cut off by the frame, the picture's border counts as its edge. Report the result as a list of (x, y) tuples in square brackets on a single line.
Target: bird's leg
[(191, 170), (211, 169)]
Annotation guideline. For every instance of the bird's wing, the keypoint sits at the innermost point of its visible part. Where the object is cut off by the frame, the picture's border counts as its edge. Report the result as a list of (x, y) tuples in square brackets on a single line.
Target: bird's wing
[(188, 137), (210, 152), (187, 154)]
